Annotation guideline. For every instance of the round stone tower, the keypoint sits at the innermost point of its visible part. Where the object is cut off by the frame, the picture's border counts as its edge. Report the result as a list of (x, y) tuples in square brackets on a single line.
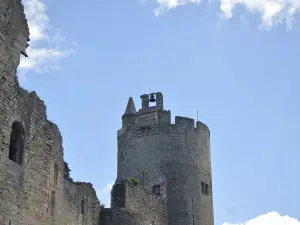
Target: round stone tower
[(170, 160)]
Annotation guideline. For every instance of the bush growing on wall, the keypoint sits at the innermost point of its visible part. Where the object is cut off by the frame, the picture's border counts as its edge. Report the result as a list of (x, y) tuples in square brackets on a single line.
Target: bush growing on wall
[(134, 180)]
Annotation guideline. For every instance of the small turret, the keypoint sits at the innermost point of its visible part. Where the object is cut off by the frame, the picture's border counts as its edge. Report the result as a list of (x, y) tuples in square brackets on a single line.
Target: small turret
[(130, 109), (130, 112)]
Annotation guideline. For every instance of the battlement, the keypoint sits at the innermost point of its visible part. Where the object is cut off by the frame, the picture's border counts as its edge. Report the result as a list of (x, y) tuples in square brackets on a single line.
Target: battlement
[(150, 120), (184, 122), (189, 125)]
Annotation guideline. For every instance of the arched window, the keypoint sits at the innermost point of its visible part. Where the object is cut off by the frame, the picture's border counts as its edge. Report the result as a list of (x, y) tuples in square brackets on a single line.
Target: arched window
[(16, 148)]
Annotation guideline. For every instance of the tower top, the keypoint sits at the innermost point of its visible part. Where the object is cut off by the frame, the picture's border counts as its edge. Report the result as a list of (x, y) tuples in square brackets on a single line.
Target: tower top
[(130, 108)]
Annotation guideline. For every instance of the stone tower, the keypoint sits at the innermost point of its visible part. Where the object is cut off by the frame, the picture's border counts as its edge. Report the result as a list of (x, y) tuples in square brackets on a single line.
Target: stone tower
[(170, 160)]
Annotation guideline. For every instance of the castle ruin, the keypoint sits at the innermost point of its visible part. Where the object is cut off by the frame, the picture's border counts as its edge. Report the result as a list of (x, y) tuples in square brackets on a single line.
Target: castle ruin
[(164, 168)]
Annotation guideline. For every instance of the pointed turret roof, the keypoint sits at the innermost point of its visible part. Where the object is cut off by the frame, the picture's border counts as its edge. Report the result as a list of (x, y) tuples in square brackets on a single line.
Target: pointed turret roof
[(130, 109)]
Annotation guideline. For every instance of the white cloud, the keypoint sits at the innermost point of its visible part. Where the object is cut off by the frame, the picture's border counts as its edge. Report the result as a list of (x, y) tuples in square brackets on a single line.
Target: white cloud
[(272, 12), (165, 5), (104, 194), (44, 59), (45, 51), (272, 218), (38, 19), (108, 188)]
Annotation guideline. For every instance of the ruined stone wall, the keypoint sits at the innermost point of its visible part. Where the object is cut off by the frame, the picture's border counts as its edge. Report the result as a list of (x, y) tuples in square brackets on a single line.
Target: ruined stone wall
[(174, 156), (150, 207), (120, 216), (33, 188), (74, 194), (132, 204)]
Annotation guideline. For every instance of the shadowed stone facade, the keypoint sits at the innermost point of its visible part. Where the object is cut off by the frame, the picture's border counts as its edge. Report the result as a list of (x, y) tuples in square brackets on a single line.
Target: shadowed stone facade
[(164, 169)]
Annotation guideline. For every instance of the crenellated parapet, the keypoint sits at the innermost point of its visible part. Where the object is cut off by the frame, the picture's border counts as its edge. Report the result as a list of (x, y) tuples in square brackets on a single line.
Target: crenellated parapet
[(153, 121)]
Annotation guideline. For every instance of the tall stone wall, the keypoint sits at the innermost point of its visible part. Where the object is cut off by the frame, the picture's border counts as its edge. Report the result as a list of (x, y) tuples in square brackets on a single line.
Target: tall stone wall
[(174, 156), (33, 186)]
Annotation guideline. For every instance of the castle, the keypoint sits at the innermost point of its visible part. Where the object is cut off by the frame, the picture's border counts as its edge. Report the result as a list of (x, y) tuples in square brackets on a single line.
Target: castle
[(164, 169)]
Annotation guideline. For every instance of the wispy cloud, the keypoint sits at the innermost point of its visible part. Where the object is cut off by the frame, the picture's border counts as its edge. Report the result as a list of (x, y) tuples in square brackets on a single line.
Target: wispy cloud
[(165, 5), (107, 188), (272, 218), (44, 59), (104, 194), (272, 12), (45, 51)]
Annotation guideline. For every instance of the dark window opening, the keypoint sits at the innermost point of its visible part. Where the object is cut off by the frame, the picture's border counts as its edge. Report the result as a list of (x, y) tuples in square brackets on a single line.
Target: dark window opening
[(55, 173), (52, 202), (83, 207), (156, 190), (204, 188), (16, 147)]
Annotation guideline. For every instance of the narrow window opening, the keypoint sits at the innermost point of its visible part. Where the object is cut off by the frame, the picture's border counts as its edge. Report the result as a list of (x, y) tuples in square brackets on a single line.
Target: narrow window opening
[(16, 147), (156, 190), (204, 188), (55, 173), (52, 203), (83, 207)]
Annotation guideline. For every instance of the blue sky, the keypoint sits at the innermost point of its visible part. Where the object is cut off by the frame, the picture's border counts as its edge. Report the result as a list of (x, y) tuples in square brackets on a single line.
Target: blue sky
[(236, 62)]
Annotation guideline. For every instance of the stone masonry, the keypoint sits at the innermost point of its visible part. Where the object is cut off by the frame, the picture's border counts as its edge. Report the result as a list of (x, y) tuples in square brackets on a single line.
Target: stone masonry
[(164, 169), (133, 205)]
